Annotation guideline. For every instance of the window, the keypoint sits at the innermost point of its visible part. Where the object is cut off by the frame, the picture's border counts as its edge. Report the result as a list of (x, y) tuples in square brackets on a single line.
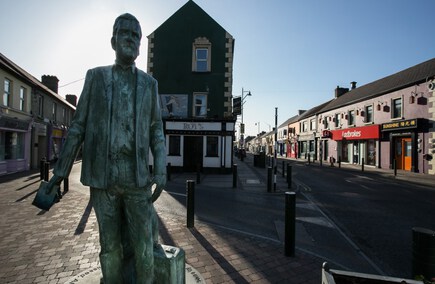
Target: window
[(174, 145), (13, 145), (313, 124), (337, 120), (22, 99), (351, 117), (326, 122), (304, 126), (369, 114), (54, 111), (397, 108), (7, 92), (199, 105), (40, 106), (201, 55), (212, 146)]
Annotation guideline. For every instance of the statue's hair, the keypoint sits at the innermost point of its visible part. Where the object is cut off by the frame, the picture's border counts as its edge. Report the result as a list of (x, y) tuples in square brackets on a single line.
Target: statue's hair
[(128, 17)]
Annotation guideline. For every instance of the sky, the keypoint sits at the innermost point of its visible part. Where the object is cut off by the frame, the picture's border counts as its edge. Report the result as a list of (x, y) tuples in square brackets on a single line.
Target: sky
[(290, 54)]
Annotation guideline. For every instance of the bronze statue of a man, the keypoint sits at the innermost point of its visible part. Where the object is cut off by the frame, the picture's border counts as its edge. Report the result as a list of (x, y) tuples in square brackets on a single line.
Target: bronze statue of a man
[(118, 120)]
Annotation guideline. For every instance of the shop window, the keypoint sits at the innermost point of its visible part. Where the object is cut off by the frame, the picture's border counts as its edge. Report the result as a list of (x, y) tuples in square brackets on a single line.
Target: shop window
[(199, 105), (13, 145), (174, 145), (212, 146), (7, 92), (201, 57), (368, 114), (397, 108)]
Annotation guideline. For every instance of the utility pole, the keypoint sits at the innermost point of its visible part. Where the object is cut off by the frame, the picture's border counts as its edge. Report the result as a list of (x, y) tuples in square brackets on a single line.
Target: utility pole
[(276, 149)]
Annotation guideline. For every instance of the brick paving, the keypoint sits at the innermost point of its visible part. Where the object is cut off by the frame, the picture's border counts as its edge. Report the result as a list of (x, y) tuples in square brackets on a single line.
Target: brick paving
[(52, 246)]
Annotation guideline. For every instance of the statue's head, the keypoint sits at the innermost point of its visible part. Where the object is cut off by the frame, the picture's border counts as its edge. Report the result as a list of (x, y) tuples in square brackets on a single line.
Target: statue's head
[(126, 38)]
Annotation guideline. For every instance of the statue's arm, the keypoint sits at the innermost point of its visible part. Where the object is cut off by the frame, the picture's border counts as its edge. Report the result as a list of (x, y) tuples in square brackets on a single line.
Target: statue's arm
[(76, 133), (157, 144)]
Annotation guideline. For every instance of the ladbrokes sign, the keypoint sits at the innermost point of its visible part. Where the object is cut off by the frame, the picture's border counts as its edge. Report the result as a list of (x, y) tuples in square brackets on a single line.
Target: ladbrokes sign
[(357, 133)]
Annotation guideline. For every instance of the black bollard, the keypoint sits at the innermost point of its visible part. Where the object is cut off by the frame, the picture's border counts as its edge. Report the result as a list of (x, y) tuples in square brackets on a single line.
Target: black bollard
[(190, 188), (235, 176), (362, 164), (423, 253), (290, 223), (283, 169), (339, 162), (269, 179), (42, 169), (168, 171), (46, 171), (289, 176), (309, 160), (65, 185), (395, 167)]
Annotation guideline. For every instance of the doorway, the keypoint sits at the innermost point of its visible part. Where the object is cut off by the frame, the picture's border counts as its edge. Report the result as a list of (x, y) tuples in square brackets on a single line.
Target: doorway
[(403, 153), (193, 153)]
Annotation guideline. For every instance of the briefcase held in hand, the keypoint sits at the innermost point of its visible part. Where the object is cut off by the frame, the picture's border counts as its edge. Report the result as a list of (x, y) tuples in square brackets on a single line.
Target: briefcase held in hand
[(46, 197)]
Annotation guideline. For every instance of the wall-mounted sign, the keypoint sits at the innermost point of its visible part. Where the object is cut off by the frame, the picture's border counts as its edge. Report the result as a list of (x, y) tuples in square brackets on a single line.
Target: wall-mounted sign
[(357, 133), (402, 124)]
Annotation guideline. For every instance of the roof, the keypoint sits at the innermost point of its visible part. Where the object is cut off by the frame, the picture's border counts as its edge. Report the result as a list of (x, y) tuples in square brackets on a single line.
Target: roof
[(187, 12), (414, 75), (314, 110), (19, 72)]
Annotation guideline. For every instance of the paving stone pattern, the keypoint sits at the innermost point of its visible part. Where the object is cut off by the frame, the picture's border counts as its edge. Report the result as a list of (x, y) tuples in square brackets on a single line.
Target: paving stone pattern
[(52, 246)]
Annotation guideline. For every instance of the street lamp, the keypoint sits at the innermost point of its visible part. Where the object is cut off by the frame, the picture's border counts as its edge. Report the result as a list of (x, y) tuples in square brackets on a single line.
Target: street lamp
[(242, 126)]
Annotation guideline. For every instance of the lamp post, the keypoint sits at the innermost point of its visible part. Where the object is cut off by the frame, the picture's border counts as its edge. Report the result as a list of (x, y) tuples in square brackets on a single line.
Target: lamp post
[(242, 126)]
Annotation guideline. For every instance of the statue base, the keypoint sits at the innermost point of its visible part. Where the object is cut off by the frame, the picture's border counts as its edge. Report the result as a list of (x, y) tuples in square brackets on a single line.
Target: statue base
[(169, 267), (93, 276)]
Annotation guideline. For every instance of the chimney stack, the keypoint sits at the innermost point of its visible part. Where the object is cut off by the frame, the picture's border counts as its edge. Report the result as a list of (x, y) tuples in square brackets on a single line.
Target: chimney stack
[(352, 85), (72, 99), (50, 82), (340, 91)]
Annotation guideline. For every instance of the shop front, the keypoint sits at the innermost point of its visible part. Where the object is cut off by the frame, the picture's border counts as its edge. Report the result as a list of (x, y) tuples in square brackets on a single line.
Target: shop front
[(15, 137), (405, 141), (358, 145), (200, 145)]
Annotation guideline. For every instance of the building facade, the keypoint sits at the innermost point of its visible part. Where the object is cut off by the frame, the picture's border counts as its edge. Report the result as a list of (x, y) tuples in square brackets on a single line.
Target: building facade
[(191, 56), (33, 119)]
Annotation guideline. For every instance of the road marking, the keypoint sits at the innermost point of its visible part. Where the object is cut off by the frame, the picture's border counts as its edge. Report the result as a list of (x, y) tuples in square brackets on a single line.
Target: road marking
[(176, 193)]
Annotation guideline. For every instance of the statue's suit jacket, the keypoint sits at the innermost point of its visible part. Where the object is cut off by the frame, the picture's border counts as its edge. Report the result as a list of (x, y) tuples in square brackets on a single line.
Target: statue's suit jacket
[(91, 126)]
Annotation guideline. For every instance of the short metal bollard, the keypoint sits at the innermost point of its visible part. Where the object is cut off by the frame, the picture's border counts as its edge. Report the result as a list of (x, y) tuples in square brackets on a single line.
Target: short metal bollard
[(362, 164), (190, 200), (235, 176), (198, 173), (339, 162), (283, 169), (42, 169), (168, 171), (46, 171), (269, 179), (395, 167), (289, 176), (65, 185), (290, 223)]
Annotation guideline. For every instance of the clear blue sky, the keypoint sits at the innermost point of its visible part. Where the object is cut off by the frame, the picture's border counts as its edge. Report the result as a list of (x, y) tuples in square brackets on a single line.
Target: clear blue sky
[(290, 54)]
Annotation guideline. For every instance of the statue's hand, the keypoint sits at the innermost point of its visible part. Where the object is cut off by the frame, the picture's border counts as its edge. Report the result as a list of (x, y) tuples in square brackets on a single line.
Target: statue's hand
[(55, 181), (160, 182)]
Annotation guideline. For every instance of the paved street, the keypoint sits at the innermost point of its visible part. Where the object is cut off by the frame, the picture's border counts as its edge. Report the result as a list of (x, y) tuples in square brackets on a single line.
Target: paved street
[(49, 247)]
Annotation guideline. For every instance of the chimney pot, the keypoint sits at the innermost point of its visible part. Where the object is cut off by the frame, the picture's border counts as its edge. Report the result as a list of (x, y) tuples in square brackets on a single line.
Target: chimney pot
[(50, 82), (352, 85)]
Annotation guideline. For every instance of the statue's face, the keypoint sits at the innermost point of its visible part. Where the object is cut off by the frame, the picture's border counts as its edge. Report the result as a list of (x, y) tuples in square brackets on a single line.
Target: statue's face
[(126, 41)]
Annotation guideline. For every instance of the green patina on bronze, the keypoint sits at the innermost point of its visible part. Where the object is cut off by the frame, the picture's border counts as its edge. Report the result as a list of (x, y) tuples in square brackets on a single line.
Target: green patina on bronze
[(117, 122)]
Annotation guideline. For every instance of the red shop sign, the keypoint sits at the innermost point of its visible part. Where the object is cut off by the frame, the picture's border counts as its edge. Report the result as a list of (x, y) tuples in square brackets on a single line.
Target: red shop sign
[(357, 133)]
